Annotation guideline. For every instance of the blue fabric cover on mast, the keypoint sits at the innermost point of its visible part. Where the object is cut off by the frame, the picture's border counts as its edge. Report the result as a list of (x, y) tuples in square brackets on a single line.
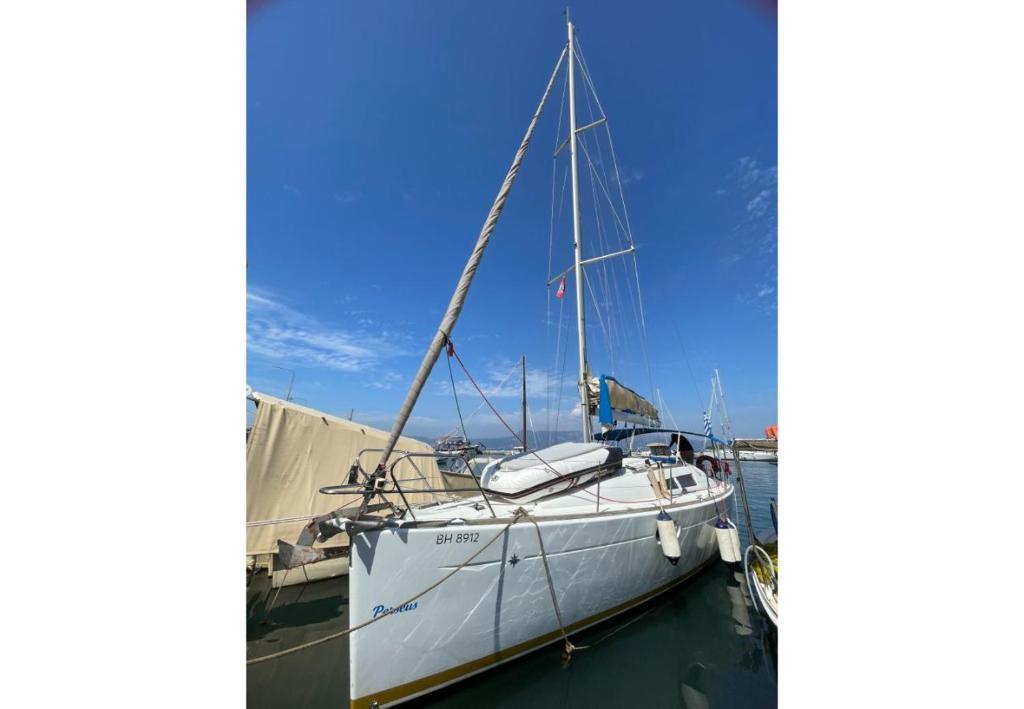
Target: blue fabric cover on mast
[(604, 409)]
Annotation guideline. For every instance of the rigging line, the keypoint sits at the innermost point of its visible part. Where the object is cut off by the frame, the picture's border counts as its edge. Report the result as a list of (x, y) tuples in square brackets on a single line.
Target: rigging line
[(561, 106), (625, 211), (627, 232), (578, 50), (455, 393), (551, 235), (486, 400), (597, 311), (608, 130), (561, 205), (601, 232), (597, 143), (561, 384), (608, 197), (558, 349), (643, 322), (554, 164), (611, 143), (636, 271), (590, 109), (642, 318), (531, 451), (618, 176), (551, 242), (554, 173), (529, 417), (603, 277), (686, 357), (667, 410), (500, 385), (611, 286)]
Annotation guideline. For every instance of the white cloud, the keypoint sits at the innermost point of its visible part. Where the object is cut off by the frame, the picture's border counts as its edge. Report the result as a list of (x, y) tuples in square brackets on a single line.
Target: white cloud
[(758, 206), (502, 378), (385, 381), (755, 233), (630, 175), (752, 175), (276, 331), (347, 196)]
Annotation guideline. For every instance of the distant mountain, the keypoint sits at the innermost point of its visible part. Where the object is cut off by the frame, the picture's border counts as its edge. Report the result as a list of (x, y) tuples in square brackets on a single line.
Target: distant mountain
[(538, 439)]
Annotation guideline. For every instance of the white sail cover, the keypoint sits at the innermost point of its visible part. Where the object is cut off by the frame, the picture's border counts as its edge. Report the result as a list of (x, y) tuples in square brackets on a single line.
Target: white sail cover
[(293, 451)]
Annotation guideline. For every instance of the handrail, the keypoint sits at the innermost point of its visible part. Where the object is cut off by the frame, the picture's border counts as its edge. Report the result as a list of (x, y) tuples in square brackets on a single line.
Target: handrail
[(396, 482), (435, 454)]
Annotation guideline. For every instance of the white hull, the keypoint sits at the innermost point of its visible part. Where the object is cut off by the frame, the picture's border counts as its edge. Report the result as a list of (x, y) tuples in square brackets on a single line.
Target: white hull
[(499, 606)]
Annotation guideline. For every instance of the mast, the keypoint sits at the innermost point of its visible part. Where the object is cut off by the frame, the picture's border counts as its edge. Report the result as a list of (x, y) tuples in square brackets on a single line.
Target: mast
[(581, 326), (525, 448)]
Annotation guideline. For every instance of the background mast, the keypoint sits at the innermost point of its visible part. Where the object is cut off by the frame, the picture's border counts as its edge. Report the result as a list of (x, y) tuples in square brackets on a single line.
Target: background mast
[(525, 446)]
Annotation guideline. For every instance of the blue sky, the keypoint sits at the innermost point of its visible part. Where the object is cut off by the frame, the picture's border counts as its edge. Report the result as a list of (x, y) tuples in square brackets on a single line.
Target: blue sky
[(378, 134)]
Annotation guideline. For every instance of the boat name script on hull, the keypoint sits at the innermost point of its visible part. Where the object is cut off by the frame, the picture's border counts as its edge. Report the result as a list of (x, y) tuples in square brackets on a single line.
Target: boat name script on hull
[(381, 610)]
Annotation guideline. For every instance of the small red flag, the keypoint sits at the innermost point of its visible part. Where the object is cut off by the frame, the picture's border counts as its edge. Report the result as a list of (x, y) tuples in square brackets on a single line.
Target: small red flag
[(561, 289)]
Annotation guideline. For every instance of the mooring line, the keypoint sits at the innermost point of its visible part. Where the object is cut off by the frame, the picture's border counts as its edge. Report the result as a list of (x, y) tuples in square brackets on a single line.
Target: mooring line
[(569, 647)]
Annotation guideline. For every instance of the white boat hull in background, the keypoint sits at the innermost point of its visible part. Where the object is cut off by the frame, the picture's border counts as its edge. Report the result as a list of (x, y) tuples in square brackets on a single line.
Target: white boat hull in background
[(499, 606), (752, 456)]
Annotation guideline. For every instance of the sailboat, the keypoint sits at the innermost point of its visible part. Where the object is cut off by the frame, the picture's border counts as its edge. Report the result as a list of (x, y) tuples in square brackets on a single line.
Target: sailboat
[(760, 450), (556, 539)]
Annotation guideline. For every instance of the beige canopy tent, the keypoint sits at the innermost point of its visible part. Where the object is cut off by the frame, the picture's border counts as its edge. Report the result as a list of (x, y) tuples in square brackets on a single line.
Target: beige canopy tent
[(292, 451)]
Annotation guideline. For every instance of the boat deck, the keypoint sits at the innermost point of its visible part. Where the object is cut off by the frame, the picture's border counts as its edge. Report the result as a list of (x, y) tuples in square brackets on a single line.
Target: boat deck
[(627, 490)]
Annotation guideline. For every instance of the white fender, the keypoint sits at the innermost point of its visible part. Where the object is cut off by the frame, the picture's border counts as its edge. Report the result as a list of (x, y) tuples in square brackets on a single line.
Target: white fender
[(667, 537), (728, 541)]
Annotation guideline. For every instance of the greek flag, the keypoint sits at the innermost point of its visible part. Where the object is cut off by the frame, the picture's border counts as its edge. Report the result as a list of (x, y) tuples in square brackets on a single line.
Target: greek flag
[(707, 424)]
